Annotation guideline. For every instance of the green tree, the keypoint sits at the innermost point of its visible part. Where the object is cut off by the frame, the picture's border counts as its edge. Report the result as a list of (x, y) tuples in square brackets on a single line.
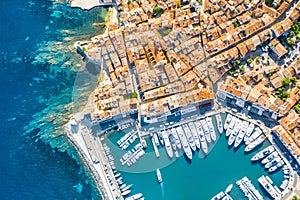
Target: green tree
[(235, 24), (286, 81), (178, 4), (157, 11), (238, 62), (284, 94), (293, 79), (134, 95), (280, 89), (297, 107), (129, 2), (242, 68), (249, 60), (269, 2)]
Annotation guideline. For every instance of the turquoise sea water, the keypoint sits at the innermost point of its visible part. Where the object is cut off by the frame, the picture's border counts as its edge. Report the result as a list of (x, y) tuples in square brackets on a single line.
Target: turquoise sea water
[(200, 179), (39, 67)]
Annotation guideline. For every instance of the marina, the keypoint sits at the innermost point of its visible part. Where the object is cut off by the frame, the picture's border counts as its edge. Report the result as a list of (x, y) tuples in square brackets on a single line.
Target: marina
[(252, 170)]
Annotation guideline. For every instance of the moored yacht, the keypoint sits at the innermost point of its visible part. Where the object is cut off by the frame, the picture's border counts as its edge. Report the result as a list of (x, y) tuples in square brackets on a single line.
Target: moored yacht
[(255, 135), (236, 130), (167, 144), (227, 121), (263, 153), (270, 157), (230, 126), (241, 134), (155, 139), (172, 140), (219, 123), (277, 166), (211, 128), (249, 131), (185, 145), (195, 133), (206, 130), (177, 140), (255, 143), (201, 137), (189, 136), (273, 162)]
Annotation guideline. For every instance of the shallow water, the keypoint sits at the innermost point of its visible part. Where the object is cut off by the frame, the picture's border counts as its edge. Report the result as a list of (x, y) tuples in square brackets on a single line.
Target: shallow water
[(38, 70)]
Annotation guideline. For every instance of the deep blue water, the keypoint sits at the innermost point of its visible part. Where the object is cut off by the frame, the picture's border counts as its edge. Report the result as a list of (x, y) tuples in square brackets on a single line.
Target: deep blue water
[(36, 163)]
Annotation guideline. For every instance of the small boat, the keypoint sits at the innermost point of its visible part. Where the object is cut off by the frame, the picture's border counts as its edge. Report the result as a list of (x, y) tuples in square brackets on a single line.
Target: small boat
[(135, 196), (125, 192), (218, 196), (122, 186), (117, 175), (219, 123), (172, 141), (158, 175), (255, 143), (229, 188), (126, 188), (144, 143)]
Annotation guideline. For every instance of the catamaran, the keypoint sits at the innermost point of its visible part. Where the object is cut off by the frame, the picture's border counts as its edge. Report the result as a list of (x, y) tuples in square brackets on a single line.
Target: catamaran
[(219, 123), (211, 128), (206, 130), (167, 144), (227, 121), (236, 130), (185, 145), (249, 131), (189, 136), (242, 132), (195, 133), (201, 137)]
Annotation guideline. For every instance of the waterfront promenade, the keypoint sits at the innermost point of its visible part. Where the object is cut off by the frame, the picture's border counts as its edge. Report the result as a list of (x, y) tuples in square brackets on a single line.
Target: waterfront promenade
[(92, 153)]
